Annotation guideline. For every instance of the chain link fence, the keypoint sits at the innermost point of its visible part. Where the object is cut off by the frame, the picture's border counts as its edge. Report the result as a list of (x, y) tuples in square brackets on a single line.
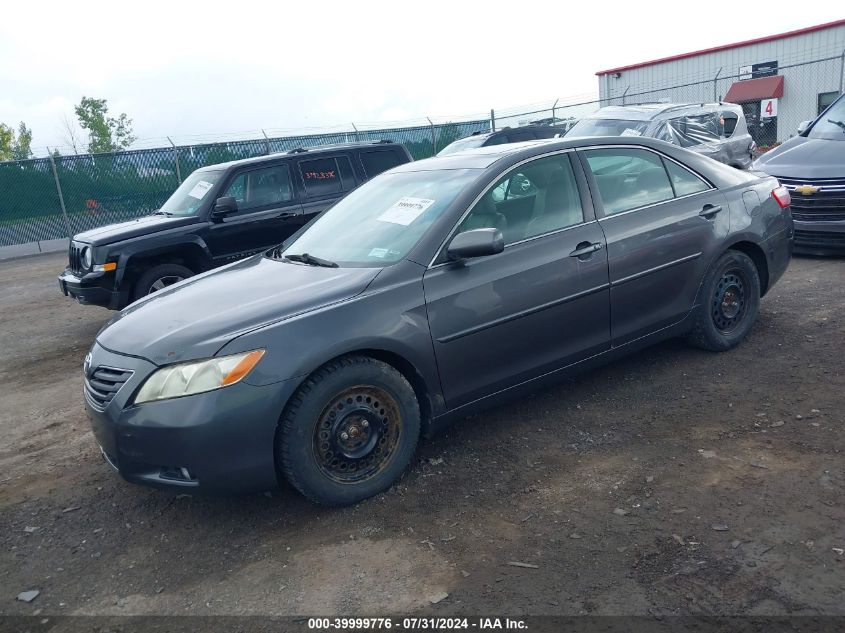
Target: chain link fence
[(46, 199), (53, 198)]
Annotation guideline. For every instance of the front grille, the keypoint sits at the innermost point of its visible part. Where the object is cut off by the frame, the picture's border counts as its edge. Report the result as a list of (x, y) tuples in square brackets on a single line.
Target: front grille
[(74, 257), (103, 384), (820, 238), (827, 204)]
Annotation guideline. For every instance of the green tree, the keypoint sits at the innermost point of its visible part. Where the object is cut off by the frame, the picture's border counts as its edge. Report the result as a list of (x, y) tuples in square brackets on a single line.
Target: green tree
[(105, 133), (23, 145), (7, 142)]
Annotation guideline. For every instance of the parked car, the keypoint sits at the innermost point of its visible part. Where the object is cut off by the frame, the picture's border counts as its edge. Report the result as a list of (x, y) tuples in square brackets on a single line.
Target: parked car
[(219, 214), (503, 136), (717, 130), (812, 166), (418, 299)]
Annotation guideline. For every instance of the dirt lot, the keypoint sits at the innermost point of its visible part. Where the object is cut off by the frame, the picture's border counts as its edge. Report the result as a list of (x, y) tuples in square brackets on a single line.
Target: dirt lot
[(676, 481)]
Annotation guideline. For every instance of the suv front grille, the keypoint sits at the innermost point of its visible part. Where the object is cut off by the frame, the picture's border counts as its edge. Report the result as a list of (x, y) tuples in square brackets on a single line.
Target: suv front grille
[(827, 204), (74, 257), (820, 239), (103, 384)]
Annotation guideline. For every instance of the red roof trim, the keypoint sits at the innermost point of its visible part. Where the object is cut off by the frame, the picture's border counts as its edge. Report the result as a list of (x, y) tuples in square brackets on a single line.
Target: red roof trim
[(725, 47), (755, 89)]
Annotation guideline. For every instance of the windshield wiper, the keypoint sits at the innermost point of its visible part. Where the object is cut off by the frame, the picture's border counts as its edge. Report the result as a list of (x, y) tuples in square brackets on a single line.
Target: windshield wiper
[(305, 258), (835, 122), (160, 212)]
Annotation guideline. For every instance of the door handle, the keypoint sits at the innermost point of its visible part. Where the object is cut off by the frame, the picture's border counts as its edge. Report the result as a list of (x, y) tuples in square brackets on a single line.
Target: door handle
[(288, 214), (710, 210), (586, 248)]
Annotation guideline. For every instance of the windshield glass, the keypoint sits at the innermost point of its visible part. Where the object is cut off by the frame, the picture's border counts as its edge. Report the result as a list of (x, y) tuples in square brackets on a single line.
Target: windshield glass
[(381, 221), (832, 124), (470, 142), (608, 127), (191, 193)]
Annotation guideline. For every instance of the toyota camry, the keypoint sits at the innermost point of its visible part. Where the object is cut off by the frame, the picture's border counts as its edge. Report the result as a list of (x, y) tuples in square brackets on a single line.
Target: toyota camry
[(438, 288)]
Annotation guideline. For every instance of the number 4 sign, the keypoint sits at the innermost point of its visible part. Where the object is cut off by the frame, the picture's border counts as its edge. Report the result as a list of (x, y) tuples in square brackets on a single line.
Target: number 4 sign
[(768, 108)]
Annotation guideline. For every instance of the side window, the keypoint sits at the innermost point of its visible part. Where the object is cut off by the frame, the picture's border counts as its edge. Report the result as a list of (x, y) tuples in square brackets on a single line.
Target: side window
[(517, 136), (321, 177), (628, 178), (261, 187), (378, 161), (729, 121), (549, 202), (684, 181)]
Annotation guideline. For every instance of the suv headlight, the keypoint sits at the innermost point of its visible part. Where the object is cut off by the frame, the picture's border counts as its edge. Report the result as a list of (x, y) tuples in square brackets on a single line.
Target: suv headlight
[(87, 258), (185, 379)]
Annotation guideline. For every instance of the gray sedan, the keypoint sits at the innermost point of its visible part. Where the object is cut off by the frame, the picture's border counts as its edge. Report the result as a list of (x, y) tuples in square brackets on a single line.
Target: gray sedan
[(437, 289)]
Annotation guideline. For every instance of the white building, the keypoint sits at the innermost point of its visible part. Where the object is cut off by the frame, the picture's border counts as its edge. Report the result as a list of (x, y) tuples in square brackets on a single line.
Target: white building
[(779, 80)]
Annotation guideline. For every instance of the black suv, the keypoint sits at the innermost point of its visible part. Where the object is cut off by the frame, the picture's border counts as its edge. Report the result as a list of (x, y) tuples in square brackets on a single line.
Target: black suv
[(219, 214), (503, 136)]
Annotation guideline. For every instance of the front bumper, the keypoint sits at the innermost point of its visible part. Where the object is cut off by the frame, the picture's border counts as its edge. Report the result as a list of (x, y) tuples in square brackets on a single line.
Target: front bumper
[(92, 289), (819, 238), (219, 442)]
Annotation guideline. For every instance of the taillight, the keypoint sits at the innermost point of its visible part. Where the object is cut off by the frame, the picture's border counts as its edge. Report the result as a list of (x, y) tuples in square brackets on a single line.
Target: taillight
[(781, 196)]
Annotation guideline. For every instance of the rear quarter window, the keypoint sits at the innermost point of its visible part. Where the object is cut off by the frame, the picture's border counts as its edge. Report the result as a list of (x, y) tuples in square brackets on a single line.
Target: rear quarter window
[(375, 162)]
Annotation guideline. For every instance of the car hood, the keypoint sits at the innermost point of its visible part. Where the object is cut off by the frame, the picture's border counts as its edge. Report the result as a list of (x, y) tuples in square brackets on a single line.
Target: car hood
[(196, 317), (802, 157), (133, 228)]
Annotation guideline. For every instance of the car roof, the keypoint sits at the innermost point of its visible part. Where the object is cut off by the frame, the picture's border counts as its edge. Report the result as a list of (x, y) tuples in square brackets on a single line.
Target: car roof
[(653, 111), (299, 151), (484, 157)]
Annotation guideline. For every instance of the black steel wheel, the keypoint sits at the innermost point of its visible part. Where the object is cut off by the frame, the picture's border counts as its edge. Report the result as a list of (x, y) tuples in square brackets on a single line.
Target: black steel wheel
[(349, 431), (357, 433), (729, 303)]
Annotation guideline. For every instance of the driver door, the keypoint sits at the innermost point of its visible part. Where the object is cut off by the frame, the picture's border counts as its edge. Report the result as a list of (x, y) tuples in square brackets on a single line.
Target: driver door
[(268, 212), (541, 304)]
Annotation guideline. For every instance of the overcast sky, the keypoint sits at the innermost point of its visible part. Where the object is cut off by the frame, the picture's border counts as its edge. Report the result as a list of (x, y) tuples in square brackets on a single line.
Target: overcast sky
[(186, 69)]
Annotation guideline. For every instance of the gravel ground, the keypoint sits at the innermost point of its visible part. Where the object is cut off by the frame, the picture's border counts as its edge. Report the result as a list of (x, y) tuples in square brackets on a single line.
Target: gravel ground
[(673, 482)]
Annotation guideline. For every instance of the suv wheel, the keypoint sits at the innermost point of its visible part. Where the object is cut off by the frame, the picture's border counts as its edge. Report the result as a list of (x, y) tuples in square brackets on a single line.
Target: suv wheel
[(730, 303), (159, 277), (349, 431)]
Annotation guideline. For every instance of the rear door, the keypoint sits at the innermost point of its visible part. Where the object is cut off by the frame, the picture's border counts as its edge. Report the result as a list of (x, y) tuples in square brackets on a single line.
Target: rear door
[(663, 225), (268, 212), (324, 180), (540, 305)]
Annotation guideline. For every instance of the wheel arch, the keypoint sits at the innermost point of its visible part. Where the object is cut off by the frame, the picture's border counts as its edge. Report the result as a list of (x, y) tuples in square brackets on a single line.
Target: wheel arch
[(758, 256), (424, 392)]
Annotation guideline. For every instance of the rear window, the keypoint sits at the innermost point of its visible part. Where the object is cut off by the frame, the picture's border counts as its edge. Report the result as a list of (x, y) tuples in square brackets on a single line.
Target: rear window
[(326, 176), (378, 161)]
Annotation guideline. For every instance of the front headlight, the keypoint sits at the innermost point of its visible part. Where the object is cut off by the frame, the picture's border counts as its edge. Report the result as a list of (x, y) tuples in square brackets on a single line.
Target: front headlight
[(87, 258), (185, 379)]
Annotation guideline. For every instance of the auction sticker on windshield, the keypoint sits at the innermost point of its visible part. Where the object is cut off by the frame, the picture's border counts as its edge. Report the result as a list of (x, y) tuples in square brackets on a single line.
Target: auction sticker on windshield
[(406, 210), (631, 132), (200, 189)]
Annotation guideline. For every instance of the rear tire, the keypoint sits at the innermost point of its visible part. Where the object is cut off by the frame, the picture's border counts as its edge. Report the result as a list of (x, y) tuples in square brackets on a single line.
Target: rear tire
[(348, 432), (159, 277), (729, 305)]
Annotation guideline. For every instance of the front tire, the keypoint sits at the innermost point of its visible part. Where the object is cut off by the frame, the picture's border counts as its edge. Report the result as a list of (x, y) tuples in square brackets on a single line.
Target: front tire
[(730, 303), (349, 431), (158, 278)]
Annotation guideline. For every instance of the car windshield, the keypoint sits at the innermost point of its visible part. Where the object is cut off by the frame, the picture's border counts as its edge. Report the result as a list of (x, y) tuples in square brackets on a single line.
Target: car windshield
[(470, 142), (381, 221), (831, 125), (188, 198), (608, 127)]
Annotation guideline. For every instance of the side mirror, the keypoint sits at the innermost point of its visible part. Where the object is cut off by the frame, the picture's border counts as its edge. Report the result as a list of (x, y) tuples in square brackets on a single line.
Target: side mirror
[(476, 243), (224, 206), (802, 127)]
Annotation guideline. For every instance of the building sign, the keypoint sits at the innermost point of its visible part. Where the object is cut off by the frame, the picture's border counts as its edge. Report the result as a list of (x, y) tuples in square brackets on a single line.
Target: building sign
[(768, 108), (753, 71), (764, 69)]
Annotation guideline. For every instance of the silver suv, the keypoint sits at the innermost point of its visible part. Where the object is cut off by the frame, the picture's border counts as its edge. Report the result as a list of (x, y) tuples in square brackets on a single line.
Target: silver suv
[(717, 130)]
